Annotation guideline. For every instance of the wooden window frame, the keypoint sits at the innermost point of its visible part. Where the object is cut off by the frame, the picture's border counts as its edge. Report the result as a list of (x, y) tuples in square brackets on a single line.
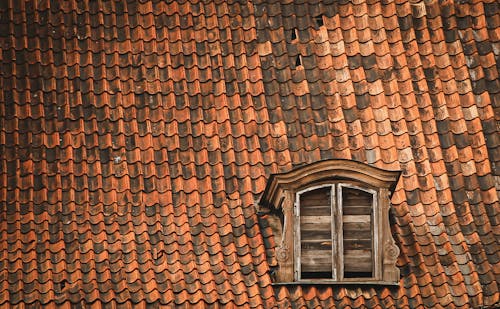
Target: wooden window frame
[(375, 230), (297, 235), (336, 204), (283, 192)]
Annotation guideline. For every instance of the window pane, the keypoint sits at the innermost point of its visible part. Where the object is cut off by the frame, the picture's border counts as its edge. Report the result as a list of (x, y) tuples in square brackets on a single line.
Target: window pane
[(316, 233), (357, 232)]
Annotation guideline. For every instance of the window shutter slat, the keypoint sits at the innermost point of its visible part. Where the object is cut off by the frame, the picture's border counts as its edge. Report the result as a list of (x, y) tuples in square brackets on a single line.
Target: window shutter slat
[(357, 232), (357, 261), (315, 230)]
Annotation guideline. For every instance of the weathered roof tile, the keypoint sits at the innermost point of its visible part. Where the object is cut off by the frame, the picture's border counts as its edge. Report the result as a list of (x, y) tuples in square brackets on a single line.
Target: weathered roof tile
[(137, 137)]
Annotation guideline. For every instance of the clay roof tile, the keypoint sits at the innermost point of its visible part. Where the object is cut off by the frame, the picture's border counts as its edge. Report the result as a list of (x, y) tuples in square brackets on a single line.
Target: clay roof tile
[(126, 127)]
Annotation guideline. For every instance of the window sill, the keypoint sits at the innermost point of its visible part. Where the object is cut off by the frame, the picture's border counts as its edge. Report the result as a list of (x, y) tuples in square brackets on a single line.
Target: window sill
[(337, 283)]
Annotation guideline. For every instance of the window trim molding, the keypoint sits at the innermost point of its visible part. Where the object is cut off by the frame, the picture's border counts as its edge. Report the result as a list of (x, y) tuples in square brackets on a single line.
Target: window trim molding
[(297, 238), (281, 195), (376, 229)]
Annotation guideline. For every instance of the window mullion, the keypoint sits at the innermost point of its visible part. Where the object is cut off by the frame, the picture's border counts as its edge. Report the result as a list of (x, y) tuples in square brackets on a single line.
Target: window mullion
[(335, 252), (338, 239), (334, 245), (376, 224), (297, 232)]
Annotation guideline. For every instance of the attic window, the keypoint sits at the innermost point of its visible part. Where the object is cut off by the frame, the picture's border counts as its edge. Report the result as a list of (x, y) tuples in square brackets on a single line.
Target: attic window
[(336, 232), (335, 223)]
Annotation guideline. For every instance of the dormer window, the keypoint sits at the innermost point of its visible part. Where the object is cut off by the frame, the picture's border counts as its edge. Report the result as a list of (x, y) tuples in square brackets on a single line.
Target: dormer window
[(335, 233), (334, 223)]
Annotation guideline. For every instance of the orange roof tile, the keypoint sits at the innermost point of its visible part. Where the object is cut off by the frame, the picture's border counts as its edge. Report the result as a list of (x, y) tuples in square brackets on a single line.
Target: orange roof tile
[(137, 136)]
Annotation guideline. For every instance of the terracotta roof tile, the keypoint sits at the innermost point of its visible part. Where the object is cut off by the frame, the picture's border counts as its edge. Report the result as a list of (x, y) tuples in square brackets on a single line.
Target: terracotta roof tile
[(137, 136)]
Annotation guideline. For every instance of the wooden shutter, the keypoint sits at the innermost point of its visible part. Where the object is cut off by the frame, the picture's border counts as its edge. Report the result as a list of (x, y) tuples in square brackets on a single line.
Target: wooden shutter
[(357, 222), (316, 233)]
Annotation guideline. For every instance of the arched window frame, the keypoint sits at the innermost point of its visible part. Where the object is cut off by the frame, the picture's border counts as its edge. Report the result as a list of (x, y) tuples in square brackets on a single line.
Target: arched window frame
[(282, 195)]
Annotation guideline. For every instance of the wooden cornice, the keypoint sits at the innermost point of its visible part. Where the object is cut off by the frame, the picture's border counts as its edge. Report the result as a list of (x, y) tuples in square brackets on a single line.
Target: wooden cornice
[(307, 175)]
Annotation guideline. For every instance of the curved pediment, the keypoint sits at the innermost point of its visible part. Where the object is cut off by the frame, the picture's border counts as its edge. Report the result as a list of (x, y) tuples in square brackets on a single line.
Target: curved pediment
[(325, 170)]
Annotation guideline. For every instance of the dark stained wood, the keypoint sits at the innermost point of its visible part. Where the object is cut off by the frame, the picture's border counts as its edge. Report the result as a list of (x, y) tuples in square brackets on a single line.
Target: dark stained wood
[(316, 210), (316, 244), (355, 197), (357, 234), (357, 210), (315, 219), (358, 261), (357, 226), (357, 244), (320, 255), (357, 231), (315, 202), (315, 226), (316, 231), (315, 198), (316, 261), (315, 234), (311, 268), (302, 177), (364, 219)]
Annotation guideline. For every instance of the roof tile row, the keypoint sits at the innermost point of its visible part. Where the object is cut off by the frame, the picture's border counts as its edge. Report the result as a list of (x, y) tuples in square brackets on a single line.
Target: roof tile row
[(138, 135)]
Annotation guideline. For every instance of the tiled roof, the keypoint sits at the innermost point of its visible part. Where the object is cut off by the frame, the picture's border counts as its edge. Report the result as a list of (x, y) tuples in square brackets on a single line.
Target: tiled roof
[(136, 138)]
